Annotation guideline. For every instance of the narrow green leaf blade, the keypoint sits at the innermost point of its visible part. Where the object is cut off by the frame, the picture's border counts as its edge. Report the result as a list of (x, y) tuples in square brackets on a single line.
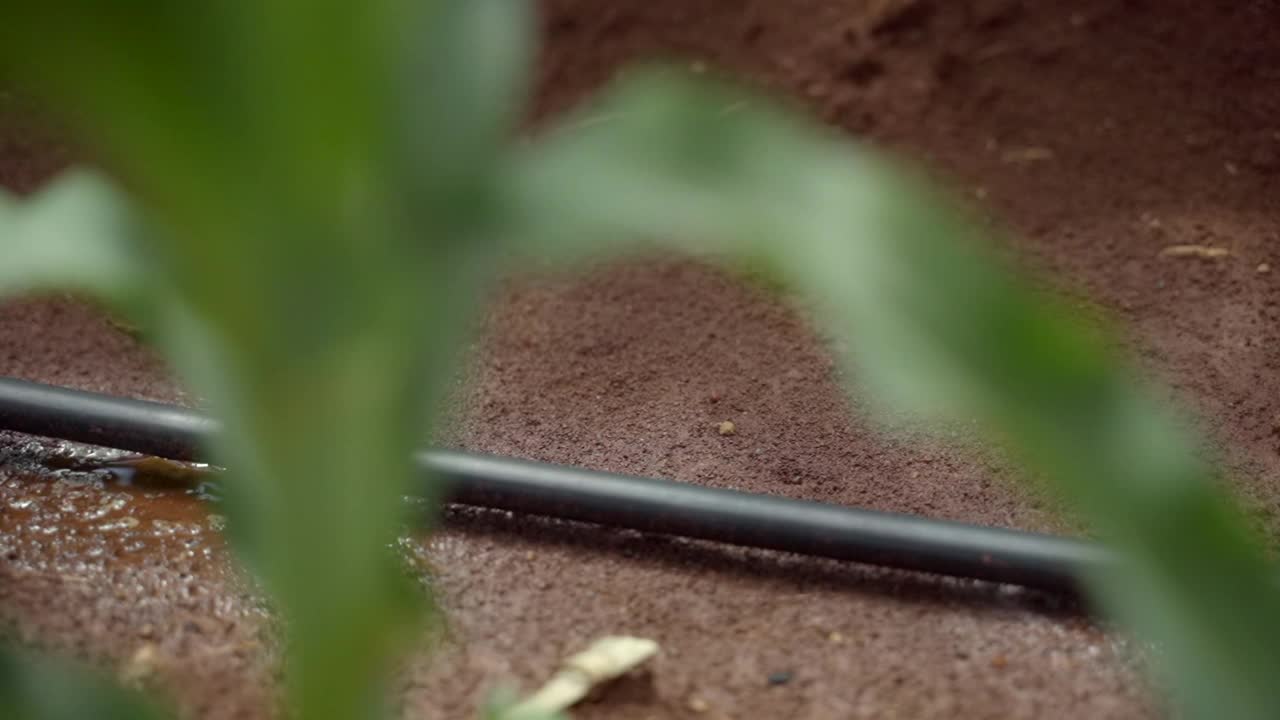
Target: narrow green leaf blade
[(937, 327), (32, 689), (78, 233)]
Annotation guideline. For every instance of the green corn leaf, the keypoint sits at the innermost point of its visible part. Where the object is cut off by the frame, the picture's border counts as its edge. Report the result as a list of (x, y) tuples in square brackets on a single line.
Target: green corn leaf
[(316, 219), (465, 80), (77, 234), (321, 178), (39, 689), (937, 327)]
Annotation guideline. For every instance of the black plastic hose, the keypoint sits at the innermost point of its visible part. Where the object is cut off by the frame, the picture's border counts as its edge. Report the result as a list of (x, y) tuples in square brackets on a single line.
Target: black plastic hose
[(657, 506)]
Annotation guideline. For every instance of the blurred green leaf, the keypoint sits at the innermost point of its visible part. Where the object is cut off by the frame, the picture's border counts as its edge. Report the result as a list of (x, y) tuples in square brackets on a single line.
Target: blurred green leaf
[(39, 689), (323, 183), (937, 327), (322, 219), (464, 84), (78, 234)]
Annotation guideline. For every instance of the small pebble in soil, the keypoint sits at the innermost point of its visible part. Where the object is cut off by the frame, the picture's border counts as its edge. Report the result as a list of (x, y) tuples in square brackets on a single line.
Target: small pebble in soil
[(780, 678), (1264, 268), (727, 428), (835, 638), (698, 705)]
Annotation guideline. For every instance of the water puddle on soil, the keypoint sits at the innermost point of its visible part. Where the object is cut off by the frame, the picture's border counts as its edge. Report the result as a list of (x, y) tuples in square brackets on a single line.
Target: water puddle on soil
[(124, 548), (78, 503), (105, 507), (143, 473)]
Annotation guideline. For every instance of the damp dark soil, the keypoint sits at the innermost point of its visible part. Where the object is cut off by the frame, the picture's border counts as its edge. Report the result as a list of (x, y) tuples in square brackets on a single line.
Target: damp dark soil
[(1097, 132)]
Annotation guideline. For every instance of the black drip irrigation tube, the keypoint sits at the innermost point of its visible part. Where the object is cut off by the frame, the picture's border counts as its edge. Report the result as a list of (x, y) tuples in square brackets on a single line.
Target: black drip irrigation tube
[(655, 506)]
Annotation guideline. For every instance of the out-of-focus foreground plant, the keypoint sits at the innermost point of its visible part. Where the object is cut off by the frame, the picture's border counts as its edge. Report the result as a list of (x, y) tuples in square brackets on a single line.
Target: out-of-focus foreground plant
[(320, 186), (39, 688)]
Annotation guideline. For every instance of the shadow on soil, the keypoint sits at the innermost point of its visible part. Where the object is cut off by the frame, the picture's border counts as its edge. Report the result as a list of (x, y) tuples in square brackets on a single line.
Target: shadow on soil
[(796, 573)]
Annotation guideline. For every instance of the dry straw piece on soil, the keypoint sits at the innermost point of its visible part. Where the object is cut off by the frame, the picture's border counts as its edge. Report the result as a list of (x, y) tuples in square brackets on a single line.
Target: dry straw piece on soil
[(607, 658), (1203, 252), (1016, 156), (141, 666)]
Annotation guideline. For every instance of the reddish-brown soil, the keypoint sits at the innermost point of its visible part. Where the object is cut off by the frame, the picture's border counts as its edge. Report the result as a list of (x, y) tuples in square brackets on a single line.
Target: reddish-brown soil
[(1098, 132)]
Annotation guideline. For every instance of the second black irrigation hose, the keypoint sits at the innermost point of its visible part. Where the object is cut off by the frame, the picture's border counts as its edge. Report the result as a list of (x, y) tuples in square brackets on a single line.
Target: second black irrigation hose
[(657, 506)]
